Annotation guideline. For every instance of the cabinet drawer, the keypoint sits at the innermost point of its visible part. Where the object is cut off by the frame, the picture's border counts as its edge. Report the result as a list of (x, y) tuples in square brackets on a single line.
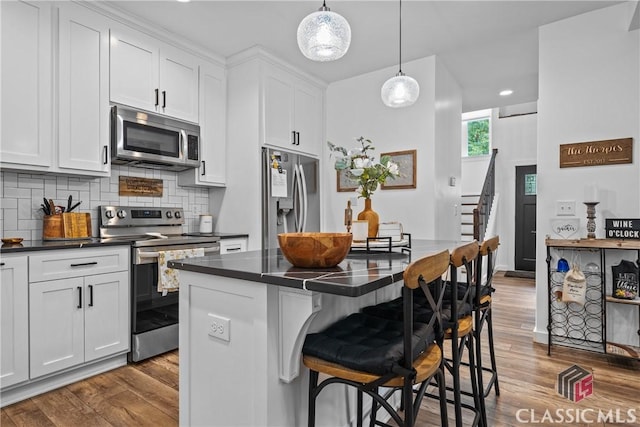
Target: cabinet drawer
[(233, 245), (60, 264)]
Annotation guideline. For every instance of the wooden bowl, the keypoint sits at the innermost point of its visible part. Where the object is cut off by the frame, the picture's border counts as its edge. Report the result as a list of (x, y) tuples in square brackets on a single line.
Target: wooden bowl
[(315, 250)]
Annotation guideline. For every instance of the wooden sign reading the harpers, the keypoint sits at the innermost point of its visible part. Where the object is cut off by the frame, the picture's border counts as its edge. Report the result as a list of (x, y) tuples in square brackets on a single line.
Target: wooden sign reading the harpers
[(622, 228)]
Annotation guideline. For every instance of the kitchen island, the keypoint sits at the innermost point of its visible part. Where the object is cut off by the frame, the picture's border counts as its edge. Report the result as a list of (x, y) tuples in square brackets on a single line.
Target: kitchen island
[(244, 318)]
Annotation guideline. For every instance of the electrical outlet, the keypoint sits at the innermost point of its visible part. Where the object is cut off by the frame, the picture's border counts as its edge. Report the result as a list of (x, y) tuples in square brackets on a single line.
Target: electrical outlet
[(566, 207), (219, 327)]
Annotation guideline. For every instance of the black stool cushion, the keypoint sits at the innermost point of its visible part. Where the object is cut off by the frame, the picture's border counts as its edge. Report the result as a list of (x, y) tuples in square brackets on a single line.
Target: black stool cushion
[(366, 343)]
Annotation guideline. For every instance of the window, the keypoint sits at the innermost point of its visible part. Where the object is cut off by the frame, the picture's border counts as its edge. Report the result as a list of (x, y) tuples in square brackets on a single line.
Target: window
[(476, 133)]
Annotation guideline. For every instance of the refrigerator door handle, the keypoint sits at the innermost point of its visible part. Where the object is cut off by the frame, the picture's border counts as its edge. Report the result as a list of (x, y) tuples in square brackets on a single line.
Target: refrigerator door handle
[(301, 199), (305, 202), (297, 198)]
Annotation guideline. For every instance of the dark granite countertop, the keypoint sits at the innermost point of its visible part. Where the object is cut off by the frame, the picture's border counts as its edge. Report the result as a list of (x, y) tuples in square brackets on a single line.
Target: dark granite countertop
[(359, 273), (42, 245)]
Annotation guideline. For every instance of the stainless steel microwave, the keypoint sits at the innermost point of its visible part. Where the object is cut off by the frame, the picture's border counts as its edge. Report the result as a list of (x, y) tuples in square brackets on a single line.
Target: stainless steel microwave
[(148, 140)]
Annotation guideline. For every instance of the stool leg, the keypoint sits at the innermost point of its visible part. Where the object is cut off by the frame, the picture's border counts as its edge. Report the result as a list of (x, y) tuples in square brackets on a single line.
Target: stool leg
[(313, 383), (492, 352), (359, 420), (477, 334), (407, 394), (478, 394), (455, 373), (442, 388), (374, 410)]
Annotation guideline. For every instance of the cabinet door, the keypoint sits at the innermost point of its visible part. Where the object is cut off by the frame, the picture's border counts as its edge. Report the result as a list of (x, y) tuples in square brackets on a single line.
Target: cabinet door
[(83, 90), (278, 109), (26, 86), (56, 325), (134, 70), (213, 149), (106, 315), (14, 321), (178, 84), (308, 118)]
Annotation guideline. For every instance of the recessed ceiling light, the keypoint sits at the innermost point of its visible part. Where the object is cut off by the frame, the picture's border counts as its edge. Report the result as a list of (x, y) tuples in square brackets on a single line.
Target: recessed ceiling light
[(506, 92), (184, 1)]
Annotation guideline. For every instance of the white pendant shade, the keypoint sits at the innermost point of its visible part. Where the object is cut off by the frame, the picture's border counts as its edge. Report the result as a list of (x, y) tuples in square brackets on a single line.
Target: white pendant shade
[(400, 91), (324, 35)]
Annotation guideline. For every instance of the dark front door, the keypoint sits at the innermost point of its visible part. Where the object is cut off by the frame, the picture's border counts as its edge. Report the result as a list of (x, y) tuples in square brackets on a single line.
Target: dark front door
[(525, 244)]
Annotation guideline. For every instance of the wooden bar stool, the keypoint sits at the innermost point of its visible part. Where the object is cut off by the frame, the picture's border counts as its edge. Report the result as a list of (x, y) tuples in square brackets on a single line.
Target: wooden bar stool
[(483, 311), (368, 352), (458, 323)]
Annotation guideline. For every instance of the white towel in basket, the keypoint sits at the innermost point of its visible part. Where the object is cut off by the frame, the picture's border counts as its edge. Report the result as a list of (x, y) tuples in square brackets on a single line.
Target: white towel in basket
[(168, 278)]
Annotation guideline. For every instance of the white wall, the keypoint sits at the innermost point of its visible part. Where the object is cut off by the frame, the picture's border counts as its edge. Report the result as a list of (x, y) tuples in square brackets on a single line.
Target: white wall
[(354, 109), (589, 90), (516, 141)]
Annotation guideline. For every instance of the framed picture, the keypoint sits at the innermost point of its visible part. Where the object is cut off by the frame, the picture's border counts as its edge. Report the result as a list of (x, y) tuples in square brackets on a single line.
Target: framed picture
[(406, 161), (344, 182)]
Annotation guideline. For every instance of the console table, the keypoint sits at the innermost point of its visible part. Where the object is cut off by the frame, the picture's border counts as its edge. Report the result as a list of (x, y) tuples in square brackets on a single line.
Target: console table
[(585, 326)]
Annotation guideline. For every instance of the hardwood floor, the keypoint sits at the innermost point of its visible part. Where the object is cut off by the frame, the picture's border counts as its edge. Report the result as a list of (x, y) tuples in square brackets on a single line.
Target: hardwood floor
[(146, 394)]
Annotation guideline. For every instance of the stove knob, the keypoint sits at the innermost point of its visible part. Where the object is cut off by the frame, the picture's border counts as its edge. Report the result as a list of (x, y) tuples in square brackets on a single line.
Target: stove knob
[(169, 214), (108, 214), (122, 214), (178, 214)]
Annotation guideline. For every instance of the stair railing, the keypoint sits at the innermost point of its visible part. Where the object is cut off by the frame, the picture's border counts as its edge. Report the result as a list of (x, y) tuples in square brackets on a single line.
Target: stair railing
[(483, 209)]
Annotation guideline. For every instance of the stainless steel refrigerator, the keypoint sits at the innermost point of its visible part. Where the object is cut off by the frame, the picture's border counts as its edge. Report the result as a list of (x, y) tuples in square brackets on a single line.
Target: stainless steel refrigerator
[(290, 195)]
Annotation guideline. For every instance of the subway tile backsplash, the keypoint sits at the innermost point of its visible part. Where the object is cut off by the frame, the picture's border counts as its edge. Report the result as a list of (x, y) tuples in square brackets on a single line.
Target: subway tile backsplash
[(22, 193)]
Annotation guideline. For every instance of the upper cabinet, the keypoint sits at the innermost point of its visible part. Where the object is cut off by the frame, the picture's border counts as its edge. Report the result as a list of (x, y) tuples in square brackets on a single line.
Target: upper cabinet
[(212, 119), (28, 107), (153, 76), (26, 84), (83, 82), (292, 111)]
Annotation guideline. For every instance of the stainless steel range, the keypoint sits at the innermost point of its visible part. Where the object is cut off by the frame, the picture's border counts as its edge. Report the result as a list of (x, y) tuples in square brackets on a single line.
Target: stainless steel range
[(154, 314)]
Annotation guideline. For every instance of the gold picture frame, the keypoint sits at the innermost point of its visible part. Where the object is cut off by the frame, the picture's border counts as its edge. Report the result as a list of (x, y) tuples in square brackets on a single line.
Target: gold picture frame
[(344, 183), (406, 161)]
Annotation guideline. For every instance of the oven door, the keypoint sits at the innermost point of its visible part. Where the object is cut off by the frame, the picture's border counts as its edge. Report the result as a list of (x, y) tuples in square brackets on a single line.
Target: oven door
[(151, 311)]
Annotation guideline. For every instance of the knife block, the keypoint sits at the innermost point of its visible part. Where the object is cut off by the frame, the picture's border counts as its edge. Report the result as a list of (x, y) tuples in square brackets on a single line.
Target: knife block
[(66, 226)]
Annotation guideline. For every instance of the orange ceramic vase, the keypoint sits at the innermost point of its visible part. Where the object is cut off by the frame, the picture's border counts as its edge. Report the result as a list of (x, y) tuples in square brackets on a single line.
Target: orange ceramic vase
[(370, 215)]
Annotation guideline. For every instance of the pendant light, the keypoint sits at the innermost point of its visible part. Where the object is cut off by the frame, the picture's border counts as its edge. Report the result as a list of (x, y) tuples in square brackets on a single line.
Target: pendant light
[(400, 90), (324, 35)]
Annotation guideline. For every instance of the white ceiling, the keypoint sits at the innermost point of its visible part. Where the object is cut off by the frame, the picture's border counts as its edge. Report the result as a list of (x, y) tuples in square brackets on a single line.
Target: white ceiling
[(487, 45)]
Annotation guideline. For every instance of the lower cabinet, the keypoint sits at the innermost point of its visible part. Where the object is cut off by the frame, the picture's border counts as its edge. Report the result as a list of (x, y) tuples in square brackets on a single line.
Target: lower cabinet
[(14, 320), (64, 316), (77, 320)]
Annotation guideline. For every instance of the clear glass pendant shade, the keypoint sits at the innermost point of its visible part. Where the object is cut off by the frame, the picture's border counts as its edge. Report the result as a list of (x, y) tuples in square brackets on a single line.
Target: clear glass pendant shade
[(400, 91), (324, 35)]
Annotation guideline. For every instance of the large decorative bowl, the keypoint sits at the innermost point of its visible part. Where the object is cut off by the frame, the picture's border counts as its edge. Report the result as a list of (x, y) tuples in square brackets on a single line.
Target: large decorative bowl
[(315, 250)]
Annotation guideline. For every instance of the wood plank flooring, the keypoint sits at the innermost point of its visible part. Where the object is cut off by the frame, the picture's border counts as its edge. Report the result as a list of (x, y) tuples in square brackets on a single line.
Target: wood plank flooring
[(146, 394)]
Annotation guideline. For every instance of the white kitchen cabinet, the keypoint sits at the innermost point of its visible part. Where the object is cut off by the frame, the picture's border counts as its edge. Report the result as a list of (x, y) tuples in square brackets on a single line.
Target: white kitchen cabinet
[(292, 111), (212, 119), (78, 307), (147, 74), (83, 79), (228, 246), (14, 320), (26, 131)]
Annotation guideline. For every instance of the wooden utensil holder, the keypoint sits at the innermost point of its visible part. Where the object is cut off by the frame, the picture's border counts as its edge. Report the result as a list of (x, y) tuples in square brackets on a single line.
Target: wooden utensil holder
[(66, 226)]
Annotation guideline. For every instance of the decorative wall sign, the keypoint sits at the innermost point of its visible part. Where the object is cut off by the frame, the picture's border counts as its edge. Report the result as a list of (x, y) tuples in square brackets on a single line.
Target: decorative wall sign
[(406, 161), (596, 153), (618, 228), (142, 187), (565, 227)]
